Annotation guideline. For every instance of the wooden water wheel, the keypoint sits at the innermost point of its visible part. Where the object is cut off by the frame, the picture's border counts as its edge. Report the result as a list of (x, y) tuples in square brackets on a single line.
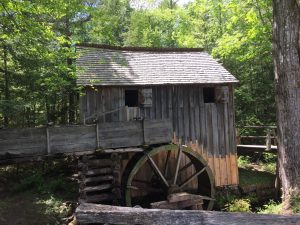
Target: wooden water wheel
[(155, 175)]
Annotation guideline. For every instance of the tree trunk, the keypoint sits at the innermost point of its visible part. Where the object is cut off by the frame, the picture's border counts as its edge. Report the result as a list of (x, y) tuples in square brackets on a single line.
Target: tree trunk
[(6, 91), (286, 50)]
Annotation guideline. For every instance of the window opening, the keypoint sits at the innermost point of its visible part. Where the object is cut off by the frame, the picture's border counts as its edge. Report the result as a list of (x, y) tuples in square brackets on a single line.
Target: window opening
[(209, 95), (131, 98)]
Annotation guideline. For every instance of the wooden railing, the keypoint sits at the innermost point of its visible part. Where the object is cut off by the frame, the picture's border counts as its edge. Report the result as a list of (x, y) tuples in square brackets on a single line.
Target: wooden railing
[(266, 140), (106, 214)]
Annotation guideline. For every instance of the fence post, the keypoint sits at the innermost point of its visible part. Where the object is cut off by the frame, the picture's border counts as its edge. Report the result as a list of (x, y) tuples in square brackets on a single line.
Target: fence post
[(238, 136), (268, 140)]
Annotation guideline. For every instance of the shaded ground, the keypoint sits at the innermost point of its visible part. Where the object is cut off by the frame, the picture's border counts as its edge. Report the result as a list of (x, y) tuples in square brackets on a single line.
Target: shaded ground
[(38, 193), (256, 177)]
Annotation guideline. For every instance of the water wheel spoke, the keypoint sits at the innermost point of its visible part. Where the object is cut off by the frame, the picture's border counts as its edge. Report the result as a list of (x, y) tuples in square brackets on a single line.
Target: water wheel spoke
[(185, 167), (177, 165), (166, 163), (155, 167), (192, 177)]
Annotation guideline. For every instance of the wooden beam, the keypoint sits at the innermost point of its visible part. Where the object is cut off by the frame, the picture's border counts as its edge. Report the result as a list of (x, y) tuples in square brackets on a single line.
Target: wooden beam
[(177, 204), (105, 214)]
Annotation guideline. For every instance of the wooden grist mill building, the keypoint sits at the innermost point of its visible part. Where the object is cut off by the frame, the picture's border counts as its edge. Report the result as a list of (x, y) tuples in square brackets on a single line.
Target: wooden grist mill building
[(157, 128), (184, 90)]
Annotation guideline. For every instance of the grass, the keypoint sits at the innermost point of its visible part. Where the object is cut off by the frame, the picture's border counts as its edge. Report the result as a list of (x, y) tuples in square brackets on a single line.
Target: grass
[(249, 177)]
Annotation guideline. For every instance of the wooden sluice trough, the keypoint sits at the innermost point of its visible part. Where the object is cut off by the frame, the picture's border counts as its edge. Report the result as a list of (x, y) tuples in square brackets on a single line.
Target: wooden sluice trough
[(25, 143)]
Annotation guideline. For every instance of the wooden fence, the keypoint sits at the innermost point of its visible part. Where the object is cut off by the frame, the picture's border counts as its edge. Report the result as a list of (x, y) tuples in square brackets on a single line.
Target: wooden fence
[(105, 214), (27, 142), (249, 143)]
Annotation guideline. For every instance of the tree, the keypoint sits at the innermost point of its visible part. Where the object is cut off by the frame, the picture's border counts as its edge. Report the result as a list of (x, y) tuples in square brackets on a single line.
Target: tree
[(286, 49), (239, 33), (36, 72)]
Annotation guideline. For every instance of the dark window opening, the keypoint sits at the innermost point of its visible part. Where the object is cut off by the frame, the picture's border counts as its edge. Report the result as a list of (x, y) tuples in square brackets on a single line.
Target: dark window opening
[(209, 95), (131, 98)]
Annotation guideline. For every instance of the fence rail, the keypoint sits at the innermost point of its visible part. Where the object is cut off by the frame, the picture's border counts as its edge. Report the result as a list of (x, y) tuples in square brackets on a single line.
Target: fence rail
[(259, 143)]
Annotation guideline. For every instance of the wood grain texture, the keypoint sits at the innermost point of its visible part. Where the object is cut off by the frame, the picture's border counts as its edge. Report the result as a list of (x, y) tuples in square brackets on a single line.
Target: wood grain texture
[(92, 213)]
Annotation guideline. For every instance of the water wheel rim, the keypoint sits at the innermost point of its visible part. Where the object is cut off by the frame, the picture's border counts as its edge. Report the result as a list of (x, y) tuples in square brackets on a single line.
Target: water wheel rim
[(152, 152)]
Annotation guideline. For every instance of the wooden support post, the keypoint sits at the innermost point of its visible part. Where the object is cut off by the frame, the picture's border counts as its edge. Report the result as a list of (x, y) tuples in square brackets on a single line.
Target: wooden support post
[(48, 141), (97, 136), (268, 140), (238, 136)]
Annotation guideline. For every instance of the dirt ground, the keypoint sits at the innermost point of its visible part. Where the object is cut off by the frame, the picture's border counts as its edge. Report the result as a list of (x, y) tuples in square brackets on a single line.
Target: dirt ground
[(37, 194)]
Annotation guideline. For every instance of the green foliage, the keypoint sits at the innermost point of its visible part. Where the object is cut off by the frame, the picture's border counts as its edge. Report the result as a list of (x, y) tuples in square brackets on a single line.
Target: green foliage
[(245, 48), (155, 28), (271, 207), (244, 161), (295, 203), (239, 205), (109, 22), (37, 182), (223, 199), (38, 51), (269, 162)]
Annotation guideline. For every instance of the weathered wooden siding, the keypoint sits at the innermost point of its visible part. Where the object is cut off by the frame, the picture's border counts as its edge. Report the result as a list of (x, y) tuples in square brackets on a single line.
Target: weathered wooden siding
[(207, 127)]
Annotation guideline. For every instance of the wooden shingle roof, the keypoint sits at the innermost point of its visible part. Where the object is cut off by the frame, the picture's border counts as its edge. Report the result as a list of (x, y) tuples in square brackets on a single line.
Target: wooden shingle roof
[(106, 65)]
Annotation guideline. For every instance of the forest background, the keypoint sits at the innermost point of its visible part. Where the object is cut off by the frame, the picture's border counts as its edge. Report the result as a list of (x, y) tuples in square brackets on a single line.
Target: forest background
[(38, 37)]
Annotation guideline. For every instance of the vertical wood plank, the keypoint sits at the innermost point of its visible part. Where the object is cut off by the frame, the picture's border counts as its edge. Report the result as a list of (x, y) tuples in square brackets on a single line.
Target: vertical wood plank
[(180, 113), (158, 103), (192, 114), (87, 102), (231, 121), (94, 103), (103, 93), (208, 144), (197, 115), (203, 128), (228, 169), (170, 104), (226, 130), (154, 102), (163, 102), (186, 114), (174, 110), (217, 170), (234, 169), (220, 118), (215, 136)]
